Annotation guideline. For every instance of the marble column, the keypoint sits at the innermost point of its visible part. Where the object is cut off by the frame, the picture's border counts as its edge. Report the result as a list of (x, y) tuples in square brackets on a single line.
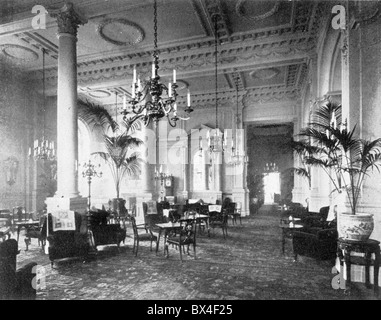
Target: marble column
[(67, 195), (147, 181), (365, 94), (240, 191)]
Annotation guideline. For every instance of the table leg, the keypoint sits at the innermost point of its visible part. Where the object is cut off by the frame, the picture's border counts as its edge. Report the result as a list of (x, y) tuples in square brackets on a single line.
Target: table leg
[(376, 268), (347, 259), (18, 233), (283, 240), (158, 241), (367, 268), (166, 249)]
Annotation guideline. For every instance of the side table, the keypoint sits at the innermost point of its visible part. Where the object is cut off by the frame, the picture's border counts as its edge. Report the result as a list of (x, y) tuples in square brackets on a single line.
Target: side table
[(288, 229), (344, 249)]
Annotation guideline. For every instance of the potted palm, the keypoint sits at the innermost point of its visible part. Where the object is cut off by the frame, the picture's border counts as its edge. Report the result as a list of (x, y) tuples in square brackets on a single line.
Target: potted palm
[(327, 143), (120, 144)]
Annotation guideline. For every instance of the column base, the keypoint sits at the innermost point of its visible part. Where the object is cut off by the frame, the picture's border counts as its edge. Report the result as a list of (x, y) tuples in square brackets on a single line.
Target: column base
[(78, 204)]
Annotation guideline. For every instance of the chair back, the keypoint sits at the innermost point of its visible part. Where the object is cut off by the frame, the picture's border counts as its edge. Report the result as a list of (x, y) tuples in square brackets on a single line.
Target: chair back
[(216, 214), (19, 213), (134, 228), (153, 213), (231, 208), (150, 207), (195, 207), (188, 231), (214, 208)]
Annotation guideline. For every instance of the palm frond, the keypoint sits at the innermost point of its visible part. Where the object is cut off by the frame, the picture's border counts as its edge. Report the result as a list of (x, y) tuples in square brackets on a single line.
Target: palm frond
[(96, 116), (322, 116), (302, 172), (132, 126), (103, 155)]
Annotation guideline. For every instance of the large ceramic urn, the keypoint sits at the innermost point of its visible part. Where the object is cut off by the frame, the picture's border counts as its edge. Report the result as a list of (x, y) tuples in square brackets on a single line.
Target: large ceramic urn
[(357, 227)]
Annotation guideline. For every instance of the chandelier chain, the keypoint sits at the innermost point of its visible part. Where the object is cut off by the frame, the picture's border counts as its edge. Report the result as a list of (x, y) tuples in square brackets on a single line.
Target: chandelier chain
[(157, 106), (43, 91), (216, 62), (155, 51)]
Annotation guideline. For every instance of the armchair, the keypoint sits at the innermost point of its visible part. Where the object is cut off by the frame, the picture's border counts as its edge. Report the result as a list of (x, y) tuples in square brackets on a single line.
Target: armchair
[(67, 244), (142, 236), (184, 236), (318, 237), (15, 284), (105, 233), (153, 214), (218, 218)]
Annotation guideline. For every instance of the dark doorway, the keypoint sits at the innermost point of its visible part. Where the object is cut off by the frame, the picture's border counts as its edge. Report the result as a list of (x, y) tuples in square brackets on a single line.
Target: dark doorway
[(269, 148)]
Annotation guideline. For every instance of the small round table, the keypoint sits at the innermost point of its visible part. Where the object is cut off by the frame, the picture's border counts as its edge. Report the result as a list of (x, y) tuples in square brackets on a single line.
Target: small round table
[(288, 230), (368, 247)]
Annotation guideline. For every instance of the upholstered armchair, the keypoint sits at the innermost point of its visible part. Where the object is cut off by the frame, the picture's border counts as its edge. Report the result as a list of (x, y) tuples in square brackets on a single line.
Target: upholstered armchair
[(218, 218), (318, 237), (105, 233), (15, 284), (67, 243)]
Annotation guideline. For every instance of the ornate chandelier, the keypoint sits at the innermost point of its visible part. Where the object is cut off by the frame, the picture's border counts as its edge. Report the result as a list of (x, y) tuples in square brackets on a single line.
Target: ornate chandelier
[(215, 137), (271, 167), (157, 107), (43, 149), (237, 158)]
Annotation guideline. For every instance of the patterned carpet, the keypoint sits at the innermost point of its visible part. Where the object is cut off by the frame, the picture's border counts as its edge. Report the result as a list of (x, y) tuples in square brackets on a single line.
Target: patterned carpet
[(247, 265)]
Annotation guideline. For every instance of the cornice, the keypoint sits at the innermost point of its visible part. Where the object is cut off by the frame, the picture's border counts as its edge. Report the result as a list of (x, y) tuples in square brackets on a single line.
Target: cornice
[(117, 68)]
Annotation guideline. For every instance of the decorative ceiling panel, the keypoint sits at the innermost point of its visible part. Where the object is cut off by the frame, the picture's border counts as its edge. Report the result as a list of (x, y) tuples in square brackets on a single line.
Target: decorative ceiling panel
[(266, 44)]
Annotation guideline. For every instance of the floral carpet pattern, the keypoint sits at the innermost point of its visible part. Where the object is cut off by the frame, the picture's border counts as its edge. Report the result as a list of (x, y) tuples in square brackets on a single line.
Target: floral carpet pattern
[(247, 265)]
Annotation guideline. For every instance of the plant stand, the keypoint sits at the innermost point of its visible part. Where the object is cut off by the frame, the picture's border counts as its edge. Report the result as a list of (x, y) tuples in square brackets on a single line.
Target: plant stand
[(346, 247)]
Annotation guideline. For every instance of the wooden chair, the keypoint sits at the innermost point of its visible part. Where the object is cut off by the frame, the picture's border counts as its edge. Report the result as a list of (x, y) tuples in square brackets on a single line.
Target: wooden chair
[(184, 236), (218, 218), (19, 214), (35, 232), (139, 236), (236, 210)]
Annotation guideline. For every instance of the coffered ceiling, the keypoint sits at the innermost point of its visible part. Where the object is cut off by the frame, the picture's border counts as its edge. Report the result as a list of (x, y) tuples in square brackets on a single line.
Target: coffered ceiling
[(263, 44)]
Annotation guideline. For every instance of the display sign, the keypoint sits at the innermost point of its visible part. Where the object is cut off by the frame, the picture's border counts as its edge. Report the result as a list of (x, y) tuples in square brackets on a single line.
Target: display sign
[(63, 220)]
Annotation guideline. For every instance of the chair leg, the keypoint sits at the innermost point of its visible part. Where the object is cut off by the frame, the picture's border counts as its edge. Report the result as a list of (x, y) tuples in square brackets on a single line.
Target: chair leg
[(181, 254), (27, 243)]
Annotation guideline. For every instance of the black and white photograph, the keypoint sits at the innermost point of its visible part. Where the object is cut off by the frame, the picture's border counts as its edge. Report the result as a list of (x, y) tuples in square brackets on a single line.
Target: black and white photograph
[(190, 156)]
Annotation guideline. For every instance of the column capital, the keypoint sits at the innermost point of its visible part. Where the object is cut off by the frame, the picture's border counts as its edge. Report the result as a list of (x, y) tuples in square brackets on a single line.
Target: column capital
[(68, 19)]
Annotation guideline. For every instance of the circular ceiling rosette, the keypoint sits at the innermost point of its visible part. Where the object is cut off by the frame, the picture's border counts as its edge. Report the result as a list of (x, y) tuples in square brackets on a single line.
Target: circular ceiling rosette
[(256, 10), (265, 74), (120, 32), (100, 94), (17, 52)]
